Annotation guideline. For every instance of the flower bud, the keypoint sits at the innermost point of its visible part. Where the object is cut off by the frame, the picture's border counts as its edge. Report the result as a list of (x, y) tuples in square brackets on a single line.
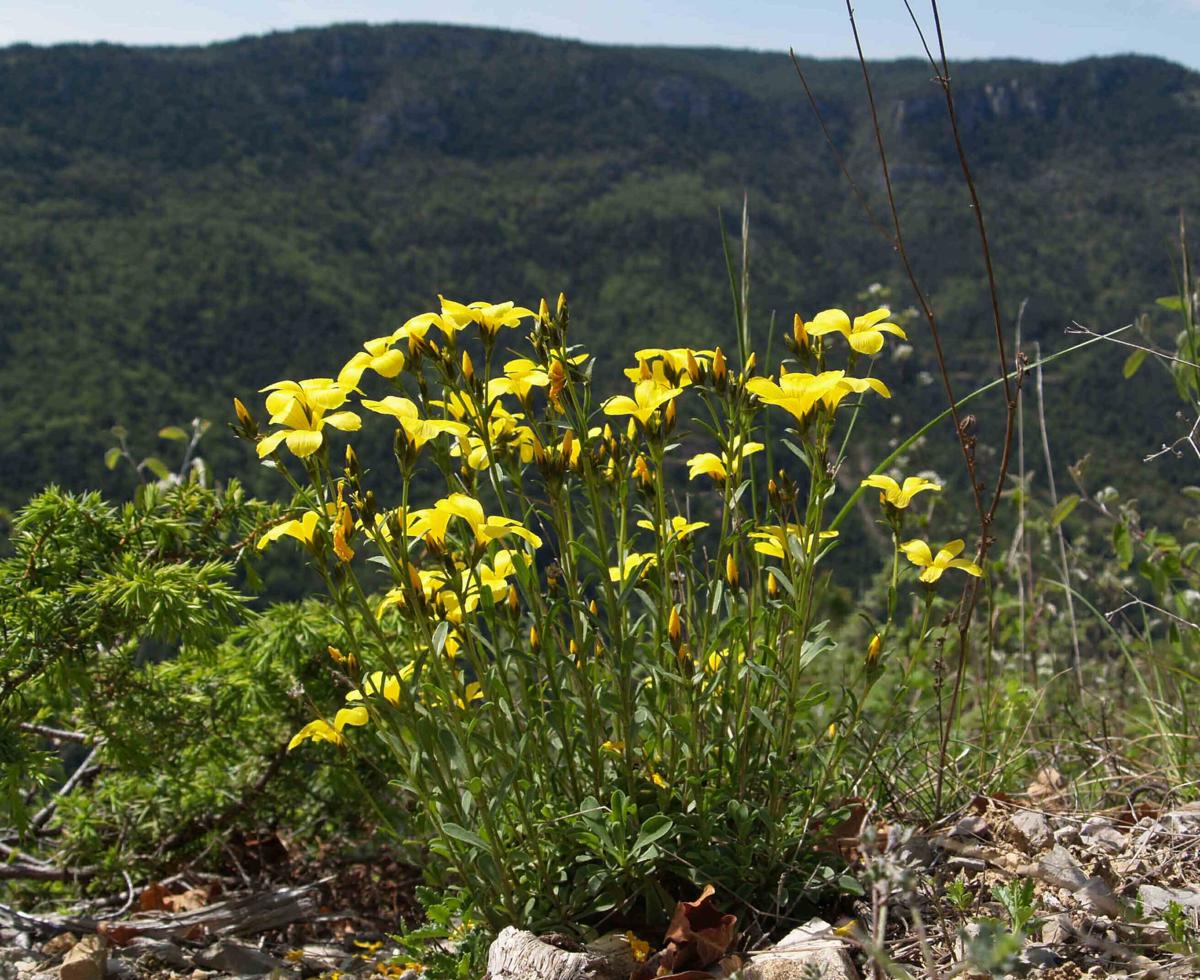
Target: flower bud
[(731, 571), (693, 366), (535, 640), (573, 649), (719, 368), (249, 426), (670, 415), (562, 304), (750, 362), (513, 603), (593, 608), (675, 629), (642, 472), (873, 650), (568, 443), (544, 311), (772, 585), (468, 367), (799, 333), (831, 731)]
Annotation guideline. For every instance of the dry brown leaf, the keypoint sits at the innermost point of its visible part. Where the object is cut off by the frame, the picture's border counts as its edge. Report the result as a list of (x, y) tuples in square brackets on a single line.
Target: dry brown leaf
[(188, 901), (699, 931), (151, 897)]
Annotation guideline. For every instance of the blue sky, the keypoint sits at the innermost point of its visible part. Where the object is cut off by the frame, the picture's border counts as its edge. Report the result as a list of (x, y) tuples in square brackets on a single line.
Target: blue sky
[(1049, 30)]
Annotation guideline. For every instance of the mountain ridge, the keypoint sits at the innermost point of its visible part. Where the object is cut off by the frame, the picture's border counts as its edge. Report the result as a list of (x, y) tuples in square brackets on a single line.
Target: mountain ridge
[(182, 224)]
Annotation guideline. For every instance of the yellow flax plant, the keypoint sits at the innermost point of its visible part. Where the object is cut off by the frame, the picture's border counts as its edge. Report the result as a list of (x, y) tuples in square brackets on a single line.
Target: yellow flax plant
[(547, 633)]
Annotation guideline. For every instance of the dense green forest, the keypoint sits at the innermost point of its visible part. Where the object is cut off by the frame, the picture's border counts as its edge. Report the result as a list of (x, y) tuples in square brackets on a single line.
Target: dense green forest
[(181, 225)]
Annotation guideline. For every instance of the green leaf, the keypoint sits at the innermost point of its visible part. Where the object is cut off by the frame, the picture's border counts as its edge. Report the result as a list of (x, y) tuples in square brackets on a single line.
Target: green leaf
[(1123, 545), (464, 835), (1170, 303), (1133, 362), (656, 827), (156, 466), (112, 457), (1063, 509), (172, 432)]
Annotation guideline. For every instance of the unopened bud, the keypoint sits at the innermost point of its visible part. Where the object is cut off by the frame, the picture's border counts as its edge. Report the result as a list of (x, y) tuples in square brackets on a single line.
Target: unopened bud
[(513, 604), (642, 471), (773, 492), (731, 571), (675, 629), (544, 311), (562, 304), (772, 585), (693, 366), (719, 368), (468, 367), (750, 362), (799, 333), (670, 415), (873, 650), (535, 640), (573, 649), (593, 608), (831, 731), (249, 426), (567, 444)]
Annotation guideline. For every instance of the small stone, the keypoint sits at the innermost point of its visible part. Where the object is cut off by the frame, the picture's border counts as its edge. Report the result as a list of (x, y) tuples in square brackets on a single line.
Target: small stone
[(1060, 869), (1040, 957), (1098, 897), (162, 951), (1155, 899), (230, 957), (971, 826), (86, 960), (1057, 930), (59, 944), (1032, 830), (1066, 834), (961, 862), (805, 951)]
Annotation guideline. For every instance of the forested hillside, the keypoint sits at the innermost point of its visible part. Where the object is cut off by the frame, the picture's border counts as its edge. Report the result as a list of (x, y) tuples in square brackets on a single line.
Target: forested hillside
[(181, 225)]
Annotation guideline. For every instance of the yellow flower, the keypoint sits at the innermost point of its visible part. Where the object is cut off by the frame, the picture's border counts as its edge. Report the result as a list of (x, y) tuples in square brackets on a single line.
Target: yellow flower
[(639, 949), (317, 731), (490, 317), (800, 393), (520, 378), (432, 522), (616, 748), (302, 530), (635, 563), (866, 333), (716, 660), (918, 552), (299, 407), (720, 467), (505, 436), (773, 539), (648, 398), (668, 367), (896, 494), (418, 430), (657, 780), (343, 526), (680, 527), (377, 355)]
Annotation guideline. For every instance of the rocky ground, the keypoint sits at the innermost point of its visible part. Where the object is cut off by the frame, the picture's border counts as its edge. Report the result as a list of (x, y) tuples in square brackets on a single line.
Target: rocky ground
[(1006, 888)]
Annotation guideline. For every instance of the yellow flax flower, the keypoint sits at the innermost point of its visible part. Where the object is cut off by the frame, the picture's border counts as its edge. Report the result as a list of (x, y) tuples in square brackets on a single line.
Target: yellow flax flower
[(639, 949), (900, 495), (800, 393), (301, 529), (317, 731), (865, 334), (773, 540), (418, 430), (932, 566), (648, 398), (717, 659), (432, 522), (299, 408), (722, 467), (679, 528), (377, 355), (521, 376), (489, 317), (668, 367), (635, 564), (615, 747)]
